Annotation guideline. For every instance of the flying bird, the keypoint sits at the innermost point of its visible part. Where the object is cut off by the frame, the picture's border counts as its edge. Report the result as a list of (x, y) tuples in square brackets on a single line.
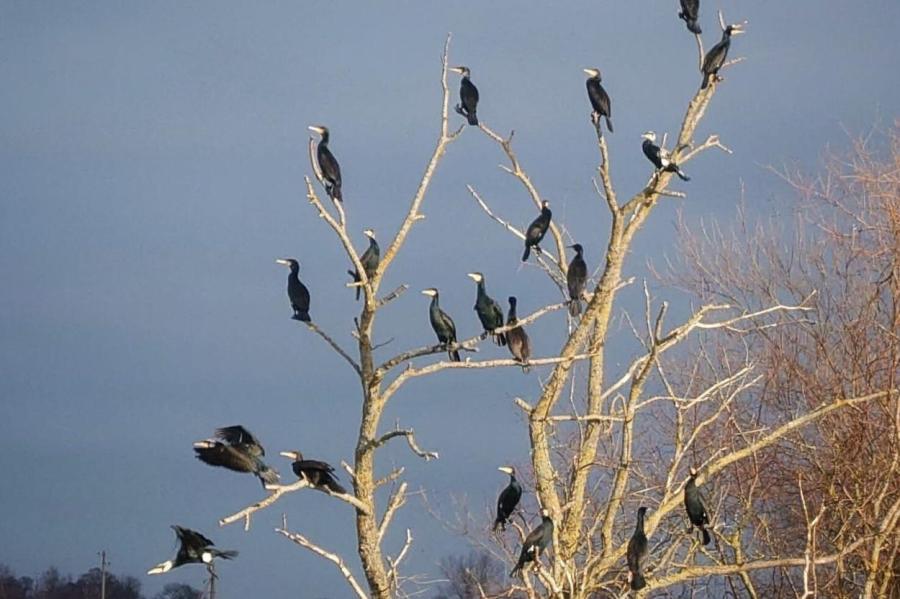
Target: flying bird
[(535, 543), (468, 95), (370, 259), (537, 229), (297, 292), (600, 101), (508, 499), (659, 157), (236, 449), (489, 313), (328, 164), (441, 323), (319, 474), (693, 503), (576, 279), (194, 549)]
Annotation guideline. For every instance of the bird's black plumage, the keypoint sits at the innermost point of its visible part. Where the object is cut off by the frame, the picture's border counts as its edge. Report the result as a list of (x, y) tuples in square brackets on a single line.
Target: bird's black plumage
[(660, 158), (328, 164), (297, 292), (576, 279), (508, 499), (194, 548), (516, 337), (637, 551), (717, 55), (489, 313), (690, 13), (236, 449), (319, 474), (442, 324), (537, 229), (535, 543), (370, 259), (693, 503), (600, 101), (468, 96)]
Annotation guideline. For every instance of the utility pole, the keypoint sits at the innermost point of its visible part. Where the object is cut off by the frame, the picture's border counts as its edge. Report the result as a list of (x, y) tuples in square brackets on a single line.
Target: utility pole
[(103, 565), (212, 580)]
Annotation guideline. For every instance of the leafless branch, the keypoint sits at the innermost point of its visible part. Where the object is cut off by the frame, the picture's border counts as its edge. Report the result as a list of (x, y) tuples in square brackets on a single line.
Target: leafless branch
[(331, 556)]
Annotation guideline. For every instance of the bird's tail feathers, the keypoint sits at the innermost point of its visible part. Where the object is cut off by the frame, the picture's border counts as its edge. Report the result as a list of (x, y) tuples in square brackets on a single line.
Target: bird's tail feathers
[(575, 307), (500, 339), (302, 316), (268, 476), (527, 253), (228, 554), (473, 119), (335, 487), (356, 279), (637, 581), (609, 124), (706, 78), (681, 174), (693, 27), (454, 355), (706, 538)]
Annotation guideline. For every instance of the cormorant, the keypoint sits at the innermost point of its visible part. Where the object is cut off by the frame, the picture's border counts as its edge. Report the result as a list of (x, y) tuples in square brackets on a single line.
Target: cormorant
[(489, 312), (194, 549), (468, 95), (369, 259), (240, 452), (690, 12), (508, 499), (442, 323), (328, 164), (297, 291), (599, 99), (517, 338), (715, 58), (319, 474), (576, 278), (537, 229), (659, 157), (693, 503), (535, 543), (637, 551)]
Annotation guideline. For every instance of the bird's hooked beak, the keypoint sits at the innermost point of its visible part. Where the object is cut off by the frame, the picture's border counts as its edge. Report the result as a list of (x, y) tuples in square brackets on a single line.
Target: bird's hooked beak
[(370, 233), (161, 568), (316, 129), (592, 72), (649, 135), (459, 70), (283, 261), (429, 292), (475, 276), (506, 469), (289, 454), (205, 444), (737, 29)]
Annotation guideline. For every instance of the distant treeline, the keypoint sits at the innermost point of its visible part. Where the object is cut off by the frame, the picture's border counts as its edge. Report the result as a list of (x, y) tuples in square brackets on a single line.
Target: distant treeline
[(53, 585)]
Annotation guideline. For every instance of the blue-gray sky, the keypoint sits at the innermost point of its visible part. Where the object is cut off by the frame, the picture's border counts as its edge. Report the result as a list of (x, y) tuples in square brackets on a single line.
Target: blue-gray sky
[(151, 170)]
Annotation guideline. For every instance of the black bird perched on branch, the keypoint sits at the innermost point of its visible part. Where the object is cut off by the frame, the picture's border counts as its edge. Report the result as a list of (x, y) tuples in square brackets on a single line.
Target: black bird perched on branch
[(488, 311), (194, 549), (599, 99), (442, 323), (576, 279), (297, 291), (468, 95), (240, 452), (715, 58), (537, 229), (369, 259), (693, 503), (637, 551), (690, 12), (328, 164), (508, 499), (659, 157), (319, 474), (535, 543), (517, 338)]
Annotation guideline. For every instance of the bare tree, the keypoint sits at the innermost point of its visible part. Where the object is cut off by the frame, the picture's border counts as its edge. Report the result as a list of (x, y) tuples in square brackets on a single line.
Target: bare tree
[(600, 446)]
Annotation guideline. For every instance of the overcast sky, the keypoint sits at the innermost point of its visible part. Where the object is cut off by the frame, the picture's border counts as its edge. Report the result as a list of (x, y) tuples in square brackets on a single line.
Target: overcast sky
[(151, 164)]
